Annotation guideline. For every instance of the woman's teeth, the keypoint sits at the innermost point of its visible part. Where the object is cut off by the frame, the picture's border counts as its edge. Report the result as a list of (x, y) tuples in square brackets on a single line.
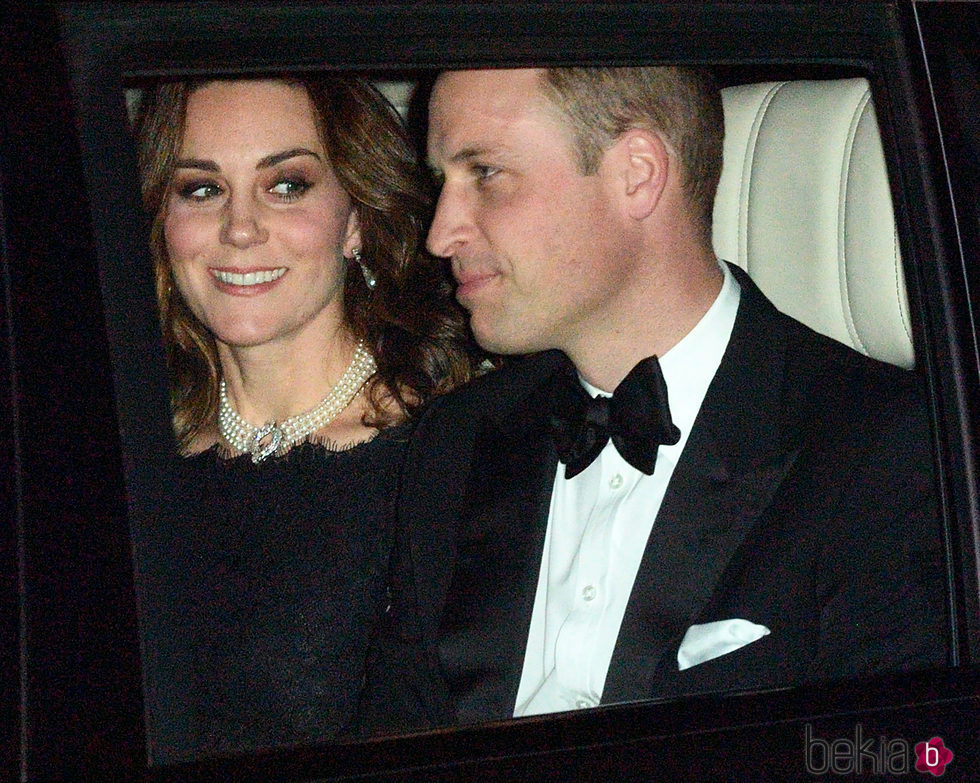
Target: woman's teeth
[(249, 278)]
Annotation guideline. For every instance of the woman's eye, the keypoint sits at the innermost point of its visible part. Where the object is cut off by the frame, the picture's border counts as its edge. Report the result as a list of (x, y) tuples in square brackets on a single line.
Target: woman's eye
[(290, 188), (199, 191)]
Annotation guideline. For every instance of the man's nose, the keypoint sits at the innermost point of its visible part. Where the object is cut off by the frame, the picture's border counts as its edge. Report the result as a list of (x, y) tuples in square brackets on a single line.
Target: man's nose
[(451, 224), (242, 224)]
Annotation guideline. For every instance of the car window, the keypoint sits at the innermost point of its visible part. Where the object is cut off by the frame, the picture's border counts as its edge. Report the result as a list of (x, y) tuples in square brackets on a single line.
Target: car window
[(193, 557)]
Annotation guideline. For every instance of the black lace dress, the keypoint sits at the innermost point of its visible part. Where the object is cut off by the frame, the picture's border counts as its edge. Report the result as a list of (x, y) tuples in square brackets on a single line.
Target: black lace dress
[(266, 595)]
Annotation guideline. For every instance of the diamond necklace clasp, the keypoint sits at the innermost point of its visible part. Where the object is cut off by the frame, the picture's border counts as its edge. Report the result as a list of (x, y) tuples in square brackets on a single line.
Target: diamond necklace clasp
[(265, 442)]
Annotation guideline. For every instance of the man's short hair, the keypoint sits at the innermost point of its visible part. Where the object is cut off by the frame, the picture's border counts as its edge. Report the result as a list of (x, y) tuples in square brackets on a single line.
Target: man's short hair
[(682, 104)]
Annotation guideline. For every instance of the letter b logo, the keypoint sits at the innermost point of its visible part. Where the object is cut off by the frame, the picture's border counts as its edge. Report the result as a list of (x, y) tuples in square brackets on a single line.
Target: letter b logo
[(817, 752)]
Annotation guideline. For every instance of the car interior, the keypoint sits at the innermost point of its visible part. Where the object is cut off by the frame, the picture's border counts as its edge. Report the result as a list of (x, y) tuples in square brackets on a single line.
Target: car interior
[(804, 206)]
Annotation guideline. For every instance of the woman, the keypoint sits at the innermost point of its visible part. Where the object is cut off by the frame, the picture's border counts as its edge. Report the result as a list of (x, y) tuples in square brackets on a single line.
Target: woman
[(303, 328)]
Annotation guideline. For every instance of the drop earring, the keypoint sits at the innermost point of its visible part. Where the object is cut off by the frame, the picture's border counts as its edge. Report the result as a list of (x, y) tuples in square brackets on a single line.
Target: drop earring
[(369, 277)]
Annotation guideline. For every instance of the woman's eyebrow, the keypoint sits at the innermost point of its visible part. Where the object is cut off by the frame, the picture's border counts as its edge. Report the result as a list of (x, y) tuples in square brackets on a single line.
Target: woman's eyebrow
[(267, 162), (197, 163), (271, 160)]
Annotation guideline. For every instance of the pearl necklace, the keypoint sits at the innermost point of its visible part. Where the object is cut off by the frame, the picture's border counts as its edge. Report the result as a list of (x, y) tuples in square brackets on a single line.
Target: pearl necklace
[(276, 437)]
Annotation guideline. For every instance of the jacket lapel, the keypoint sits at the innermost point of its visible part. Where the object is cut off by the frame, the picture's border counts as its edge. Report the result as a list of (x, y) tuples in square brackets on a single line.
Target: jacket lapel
[(499, 540), (739, 450)]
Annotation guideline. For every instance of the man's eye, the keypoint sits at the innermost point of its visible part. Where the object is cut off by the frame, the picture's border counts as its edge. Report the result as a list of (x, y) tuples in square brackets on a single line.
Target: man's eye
[(438, 177), (291, 188), (483, 173), (199, 191)]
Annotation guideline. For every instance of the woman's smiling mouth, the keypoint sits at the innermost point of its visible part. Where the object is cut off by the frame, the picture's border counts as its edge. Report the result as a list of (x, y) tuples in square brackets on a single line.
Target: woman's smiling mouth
[(257, 277)]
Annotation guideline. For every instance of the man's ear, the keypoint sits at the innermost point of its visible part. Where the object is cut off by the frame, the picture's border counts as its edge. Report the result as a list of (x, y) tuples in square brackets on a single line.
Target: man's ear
[(647, 162)]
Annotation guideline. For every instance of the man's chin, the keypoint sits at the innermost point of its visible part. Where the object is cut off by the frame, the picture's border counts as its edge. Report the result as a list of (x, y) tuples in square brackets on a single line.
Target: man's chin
[(502, 342)]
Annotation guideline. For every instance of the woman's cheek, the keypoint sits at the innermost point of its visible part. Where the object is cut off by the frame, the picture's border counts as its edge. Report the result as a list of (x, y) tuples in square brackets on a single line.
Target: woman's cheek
[(178, 234)]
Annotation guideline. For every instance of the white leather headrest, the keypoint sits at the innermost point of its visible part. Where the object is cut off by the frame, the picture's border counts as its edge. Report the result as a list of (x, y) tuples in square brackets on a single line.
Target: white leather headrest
[(804, 207)]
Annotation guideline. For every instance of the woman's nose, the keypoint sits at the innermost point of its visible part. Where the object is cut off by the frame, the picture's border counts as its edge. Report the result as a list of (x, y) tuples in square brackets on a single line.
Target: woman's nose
[(241, 225)]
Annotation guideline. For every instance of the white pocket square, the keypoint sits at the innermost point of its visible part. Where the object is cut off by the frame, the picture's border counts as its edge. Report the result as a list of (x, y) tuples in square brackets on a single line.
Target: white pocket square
[(710, 640)]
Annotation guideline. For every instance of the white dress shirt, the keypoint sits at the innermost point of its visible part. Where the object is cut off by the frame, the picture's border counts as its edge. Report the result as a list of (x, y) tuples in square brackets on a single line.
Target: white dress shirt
[(598, 528)]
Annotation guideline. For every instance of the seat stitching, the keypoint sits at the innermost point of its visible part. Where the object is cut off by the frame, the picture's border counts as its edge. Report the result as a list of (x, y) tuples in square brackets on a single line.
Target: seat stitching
[(902, 313), (842, 259), (746, 178)]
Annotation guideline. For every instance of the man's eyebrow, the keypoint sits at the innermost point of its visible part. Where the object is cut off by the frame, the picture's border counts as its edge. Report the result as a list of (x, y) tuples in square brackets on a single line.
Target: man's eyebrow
[(267, 162), (468, 154), (465, 155)]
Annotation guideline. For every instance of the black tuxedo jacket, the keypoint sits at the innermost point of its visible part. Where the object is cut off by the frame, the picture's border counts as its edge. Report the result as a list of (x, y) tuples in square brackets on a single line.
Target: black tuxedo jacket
[(803, 501)]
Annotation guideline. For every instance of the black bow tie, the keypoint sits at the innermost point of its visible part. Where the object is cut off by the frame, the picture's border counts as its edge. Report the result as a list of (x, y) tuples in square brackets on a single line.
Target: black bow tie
[(636, 417)]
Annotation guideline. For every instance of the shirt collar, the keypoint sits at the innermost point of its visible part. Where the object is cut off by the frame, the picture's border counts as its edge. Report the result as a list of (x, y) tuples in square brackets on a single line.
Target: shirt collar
[(691, 364)]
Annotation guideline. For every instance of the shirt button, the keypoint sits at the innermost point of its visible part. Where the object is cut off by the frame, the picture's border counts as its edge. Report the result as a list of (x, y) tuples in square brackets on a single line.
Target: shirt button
[(588, 592), (616, 481), (583, 704)]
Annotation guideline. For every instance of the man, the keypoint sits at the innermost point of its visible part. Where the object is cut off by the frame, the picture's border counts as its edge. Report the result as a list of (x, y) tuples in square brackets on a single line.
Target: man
[(768, 519)]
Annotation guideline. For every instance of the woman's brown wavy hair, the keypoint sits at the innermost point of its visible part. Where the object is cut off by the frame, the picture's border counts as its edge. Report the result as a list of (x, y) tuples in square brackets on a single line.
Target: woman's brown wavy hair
[(409, 321)]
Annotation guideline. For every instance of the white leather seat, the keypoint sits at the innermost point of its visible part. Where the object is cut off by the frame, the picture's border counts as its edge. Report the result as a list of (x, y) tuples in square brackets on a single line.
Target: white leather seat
[(804, 206)]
